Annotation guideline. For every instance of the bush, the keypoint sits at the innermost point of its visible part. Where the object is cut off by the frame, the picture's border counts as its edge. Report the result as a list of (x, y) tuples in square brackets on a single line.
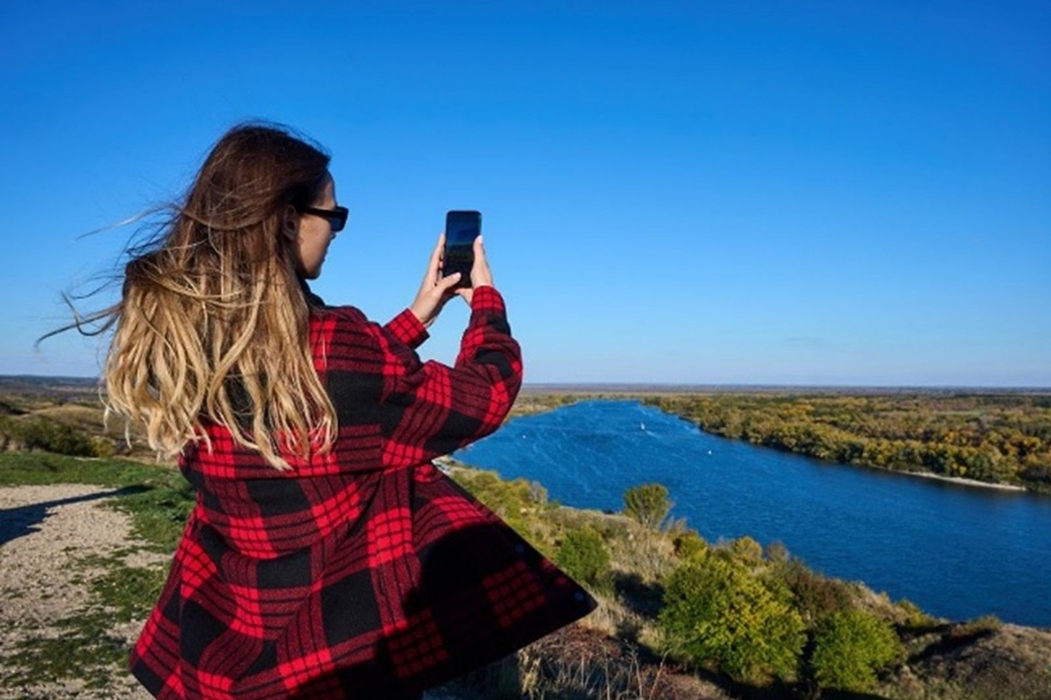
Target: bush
[(715, 610), (584, 556), (747, 550), (511, 500), (979, 626), (689, 545), (777, 553), (913, 616), (850, 647), (816, 597), (648, 504), (44, 434)]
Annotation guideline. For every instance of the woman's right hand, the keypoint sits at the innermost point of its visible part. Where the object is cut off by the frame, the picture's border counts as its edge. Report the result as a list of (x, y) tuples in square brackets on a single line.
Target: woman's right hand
[(435, 290), (481, 275)]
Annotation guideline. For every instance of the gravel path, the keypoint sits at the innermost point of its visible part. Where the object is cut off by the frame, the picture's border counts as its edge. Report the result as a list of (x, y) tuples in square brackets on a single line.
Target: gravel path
[(45, 532)]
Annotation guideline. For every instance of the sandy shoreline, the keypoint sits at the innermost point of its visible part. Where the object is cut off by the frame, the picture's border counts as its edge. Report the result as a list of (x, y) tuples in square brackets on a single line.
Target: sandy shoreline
[(962, 481)]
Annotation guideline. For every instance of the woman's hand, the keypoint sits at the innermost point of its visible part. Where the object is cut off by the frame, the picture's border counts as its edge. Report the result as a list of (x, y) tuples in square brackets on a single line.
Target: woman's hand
[(481, 275), (435, 290)]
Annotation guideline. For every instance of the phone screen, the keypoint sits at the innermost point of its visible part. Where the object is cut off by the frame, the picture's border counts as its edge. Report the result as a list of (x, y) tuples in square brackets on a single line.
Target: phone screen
[(461, 228)]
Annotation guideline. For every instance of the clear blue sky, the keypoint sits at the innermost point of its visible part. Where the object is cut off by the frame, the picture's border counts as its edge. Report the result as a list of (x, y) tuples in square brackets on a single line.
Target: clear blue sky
[(816, 192)]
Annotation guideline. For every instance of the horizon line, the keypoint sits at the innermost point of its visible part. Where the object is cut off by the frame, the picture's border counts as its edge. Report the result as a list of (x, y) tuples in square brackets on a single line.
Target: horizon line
[(685, 386), (677, 386)]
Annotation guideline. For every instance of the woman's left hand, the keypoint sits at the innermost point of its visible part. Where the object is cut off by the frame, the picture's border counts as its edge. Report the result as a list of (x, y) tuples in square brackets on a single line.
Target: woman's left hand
[(435, 290)]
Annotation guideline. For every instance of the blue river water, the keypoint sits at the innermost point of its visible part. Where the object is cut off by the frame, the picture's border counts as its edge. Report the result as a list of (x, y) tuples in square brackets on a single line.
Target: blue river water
[(956, 551)]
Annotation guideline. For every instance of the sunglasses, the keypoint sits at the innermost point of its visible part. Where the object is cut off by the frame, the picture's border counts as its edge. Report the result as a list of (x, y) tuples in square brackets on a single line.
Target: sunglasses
[(337, 217)]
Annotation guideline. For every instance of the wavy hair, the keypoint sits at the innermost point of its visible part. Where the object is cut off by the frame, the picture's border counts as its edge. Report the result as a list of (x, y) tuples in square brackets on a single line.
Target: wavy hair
[(213, 321)]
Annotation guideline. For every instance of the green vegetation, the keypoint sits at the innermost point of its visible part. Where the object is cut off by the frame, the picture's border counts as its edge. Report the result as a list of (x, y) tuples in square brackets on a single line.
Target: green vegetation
[(996, 438), (762, 618), (584, 556), (850, 647), (39, 433), (518, 502), (647, 504), (816, 597), (718, 612)]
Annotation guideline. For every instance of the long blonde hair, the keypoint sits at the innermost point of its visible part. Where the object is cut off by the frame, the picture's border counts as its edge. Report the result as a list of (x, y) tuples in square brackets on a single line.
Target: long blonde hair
[(213, 323)]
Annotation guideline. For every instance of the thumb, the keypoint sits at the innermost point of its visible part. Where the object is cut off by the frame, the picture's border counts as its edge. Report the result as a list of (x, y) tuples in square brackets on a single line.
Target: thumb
[(447, 283)]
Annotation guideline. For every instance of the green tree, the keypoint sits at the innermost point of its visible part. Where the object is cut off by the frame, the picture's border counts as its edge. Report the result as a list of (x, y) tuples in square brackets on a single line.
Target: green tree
[(715, 610), (648, 504), (850, 647)]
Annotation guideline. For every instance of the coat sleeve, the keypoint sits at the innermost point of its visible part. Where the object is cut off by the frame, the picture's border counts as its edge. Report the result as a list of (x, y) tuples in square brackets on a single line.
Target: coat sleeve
[(430, 409)]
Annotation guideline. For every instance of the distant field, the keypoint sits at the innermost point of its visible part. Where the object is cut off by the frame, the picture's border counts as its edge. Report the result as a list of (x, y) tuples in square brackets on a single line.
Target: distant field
[(642, 389), (992, 435)]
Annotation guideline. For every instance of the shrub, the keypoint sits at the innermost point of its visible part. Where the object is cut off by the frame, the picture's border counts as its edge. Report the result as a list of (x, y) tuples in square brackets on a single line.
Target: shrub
[(979, 626), (816, 597), (101, 447), (850, 647), (777, 553), (508, 499), (747, 550), (584, 556), (913, 616), (648, 504), (44, 434), (715, 610), (689, 545)]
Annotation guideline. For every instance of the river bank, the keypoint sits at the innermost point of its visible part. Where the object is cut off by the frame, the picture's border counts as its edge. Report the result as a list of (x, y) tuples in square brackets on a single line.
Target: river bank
[(960, 481), (958, 552)]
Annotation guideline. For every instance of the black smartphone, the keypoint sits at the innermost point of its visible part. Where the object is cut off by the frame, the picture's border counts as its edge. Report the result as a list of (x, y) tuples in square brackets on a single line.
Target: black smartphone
[(461, 228)]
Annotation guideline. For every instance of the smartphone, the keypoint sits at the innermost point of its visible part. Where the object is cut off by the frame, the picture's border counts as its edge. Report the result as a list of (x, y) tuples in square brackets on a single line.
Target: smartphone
[(461, 228)]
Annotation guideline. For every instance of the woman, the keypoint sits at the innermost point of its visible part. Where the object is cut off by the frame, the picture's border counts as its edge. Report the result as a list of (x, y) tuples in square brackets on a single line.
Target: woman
[(325, 556)]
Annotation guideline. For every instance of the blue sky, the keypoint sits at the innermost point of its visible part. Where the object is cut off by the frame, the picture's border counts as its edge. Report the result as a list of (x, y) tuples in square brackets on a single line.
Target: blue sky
[(777, 193)]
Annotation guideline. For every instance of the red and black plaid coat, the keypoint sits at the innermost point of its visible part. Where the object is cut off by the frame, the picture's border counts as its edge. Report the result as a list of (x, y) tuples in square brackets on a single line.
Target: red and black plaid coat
[(365, 572)]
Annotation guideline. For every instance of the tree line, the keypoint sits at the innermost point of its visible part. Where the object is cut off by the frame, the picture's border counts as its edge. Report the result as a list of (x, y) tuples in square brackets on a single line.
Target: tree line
[(995, 438)]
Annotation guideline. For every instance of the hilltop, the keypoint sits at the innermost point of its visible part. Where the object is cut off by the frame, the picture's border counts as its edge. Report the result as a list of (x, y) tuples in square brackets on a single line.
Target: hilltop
[(623, 650)]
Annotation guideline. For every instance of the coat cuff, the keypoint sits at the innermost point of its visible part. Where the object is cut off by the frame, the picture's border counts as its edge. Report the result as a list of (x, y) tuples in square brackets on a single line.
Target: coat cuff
[(408, 329), (487, 299)]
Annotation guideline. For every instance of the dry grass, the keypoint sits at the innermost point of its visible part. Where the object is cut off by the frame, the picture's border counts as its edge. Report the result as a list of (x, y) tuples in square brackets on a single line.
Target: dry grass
[(87, 418), (577, 663), (982, 659)]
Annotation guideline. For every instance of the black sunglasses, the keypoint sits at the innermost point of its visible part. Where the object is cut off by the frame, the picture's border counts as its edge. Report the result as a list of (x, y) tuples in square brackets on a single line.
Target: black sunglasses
[(337, 217)]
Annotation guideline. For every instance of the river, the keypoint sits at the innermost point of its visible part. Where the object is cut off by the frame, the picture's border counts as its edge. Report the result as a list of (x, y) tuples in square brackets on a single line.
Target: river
[(956, 551)]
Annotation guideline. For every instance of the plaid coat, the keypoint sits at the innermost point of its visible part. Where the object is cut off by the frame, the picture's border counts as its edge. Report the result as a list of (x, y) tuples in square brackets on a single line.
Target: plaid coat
[(365, 572)]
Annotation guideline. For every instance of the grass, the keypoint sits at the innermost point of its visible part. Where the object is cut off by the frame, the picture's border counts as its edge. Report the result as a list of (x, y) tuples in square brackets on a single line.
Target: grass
[(155, 496)]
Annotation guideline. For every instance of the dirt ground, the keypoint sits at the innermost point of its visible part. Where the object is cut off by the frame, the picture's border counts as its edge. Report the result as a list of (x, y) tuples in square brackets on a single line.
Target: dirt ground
[(45, 533)]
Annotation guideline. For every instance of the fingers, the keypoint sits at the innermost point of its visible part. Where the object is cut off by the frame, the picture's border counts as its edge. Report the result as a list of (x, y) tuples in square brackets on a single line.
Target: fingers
[(436, 254), (480, 273)]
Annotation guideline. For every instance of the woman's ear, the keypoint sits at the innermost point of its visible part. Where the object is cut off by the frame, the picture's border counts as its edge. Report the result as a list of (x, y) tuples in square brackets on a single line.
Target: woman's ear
[(290, 224)]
